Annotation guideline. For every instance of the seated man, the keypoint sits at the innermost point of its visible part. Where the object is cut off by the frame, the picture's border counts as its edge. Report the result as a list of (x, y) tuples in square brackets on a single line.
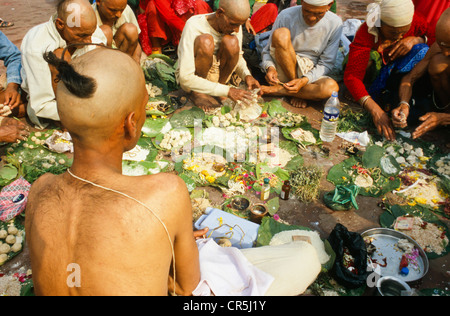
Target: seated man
[(302, 50), (436, 64), (74, 22), (11, 96), (124, 233), (210, 50), (119, 24)]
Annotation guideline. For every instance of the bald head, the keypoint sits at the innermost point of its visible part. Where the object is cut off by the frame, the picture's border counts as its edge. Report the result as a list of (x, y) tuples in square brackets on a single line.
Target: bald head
[(75, 11), (235, 9), (119, 90), (442, 27)]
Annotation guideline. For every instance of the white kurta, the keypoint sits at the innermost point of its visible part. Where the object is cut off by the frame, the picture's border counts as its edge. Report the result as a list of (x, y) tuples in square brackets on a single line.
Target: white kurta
[(127, 16), (188, 80), (36, 73)]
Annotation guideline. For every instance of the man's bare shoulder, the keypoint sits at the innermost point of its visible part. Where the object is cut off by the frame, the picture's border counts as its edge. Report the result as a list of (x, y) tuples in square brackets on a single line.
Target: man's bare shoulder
[(166, 191), (166, 182), (43, 182)]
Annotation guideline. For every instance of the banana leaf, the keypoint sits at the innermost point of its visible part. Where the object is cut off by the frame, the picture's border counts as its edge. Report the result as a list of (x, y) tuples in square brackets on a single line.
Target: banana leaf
[(187, 118), (388, 218)]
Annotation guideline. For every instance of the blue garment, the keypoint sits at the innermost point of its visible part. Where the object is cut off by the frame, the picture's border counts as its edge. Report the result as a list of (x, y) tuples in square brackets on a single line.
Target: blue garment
[(11, 57), (401, 65)]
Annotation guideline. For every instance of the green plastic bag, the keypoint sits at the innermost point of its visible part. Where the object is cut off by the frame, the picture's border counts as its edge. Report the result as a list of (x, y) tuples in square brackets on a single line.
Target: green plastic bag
[(342, 198)]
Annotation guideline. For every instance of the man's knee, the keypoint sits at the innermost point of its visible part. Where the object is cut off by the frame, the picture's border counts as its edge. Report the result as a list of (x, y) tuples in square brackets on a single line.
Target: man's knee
[(204, 45), (281, 37), (129, 31), (327, 87), (107, 30), (230, 45)]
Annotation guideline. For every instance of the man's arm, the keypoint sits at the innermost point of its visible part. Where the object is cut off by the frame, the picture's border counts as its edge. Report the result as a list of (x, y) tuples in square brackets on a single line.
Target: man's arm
[(11, 57), (38, 85), (186, 252), (407, 83)]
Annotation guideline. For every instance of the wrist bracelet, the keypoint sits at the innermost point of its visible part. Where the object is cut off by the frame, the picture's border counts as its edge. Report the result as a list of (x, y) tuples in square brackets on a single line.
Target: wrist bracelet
[(363, 100), (404, 102)]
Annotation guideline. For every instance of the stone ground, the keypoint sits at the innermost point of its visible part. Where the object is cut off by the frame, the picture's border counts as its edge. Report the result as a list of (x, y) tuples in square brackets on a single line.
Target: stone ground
[(28, 13)]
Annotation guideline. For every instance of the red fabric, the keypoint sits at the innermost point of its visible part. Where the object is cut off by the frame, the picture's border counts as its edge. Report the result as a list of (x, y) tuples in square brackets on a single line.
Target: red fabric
[(163, 22), (143, 36), (431, 10), (181, 7), (359, 55), (264, 17)]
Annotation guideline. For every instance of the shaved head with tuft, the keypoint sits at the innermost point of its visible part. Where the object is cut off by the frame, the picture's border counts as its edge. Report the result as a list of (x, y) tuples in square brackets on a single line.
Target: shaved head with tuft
[(119, 90)]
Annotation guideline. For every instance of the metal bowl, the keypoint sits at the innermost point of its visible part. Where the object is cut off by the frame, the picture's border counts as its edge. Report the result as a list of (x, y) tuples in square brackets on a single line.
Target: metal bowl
[(385, 240), (240, 203), (390, 286)]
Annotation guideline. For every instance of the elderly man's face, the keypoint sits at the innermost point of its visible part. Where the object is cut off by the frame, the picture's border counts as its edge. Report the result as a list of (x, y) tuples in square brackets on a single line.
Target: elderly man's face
[(313, 14), (111, 10), (393, 33), (229, 25), (77, 34)]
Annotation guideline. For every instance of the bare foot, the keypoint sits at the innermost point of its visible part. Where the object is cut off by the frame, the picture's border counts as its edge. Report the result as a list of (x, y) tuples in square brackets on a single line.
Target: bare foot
[(20, 111), (203, 101), (299, 103), (270, 90), (222, 99)]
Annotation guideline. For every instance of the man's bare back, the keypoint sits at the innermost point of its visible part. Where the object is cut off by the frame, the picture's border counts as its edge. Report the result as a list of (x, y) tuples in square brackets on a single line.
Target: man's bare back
[(106, 240), (85, 239)]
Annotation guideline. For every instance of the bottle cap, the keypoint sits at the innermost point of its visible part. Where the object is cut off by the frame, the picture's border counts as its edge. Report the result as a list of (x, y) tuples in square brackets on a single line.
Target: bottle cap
[(266, 180), (334, 94)]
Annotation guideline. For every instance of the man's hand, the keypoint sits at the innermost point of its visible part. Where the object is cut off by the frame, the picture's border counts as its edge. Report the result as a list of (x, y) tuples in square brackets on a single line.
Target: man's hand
[(272, 76), (400, 115), (12, 95), (249, 27), (294, 86), (200, 233), (236, 94), (430, 121), (12, 130), (383, 124), (403, 47), (252, 83)]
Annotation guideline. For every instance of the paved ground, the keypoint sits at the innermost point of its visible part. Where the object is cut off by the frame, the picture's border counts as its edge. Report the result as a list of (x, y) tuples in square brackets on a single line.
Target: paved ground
[(27, 13)]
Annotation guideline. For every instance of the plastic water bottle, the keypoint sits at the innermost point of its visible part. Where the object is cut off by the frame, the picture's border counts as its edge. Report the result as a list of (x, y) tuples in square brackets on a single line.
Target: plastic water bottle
[(330, 118)]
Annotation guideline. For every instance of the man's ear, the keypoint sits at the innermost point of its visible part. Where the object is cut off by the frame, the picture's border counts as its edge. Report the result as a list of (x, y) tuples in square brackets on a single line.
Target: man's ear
[(59, 23), (130, 126)]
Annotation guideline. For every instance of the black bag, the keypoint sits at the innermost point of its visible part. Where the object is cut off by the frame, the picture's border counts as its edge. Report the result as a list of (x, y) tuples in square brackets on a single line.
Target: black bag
[(341, 239)]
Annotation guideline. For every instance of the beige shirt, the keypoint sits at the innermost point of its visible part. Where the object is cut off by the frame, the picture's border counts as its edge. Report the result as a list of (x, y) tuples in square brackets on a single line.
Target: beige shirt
[(188, 80), (36, 72), (127, 16)]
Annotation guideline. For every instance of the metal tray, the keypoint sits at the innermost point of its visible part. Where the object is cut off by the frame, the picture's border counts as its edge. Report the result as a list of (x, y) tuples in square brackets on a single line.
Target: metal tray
[(385, 240)]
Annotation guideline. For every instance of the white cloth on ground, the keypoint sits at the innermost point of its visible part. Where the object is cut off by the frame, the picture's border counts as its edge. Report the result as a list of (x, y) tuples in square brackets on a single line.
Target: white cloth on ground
[(294, 266), (226, 272)]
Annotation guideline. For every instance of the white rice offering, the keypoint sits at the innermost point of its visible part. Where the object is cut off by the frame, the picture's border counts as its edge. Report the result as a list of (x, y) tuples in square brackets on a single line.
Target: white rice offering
[(301, 135), (285, 237)]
